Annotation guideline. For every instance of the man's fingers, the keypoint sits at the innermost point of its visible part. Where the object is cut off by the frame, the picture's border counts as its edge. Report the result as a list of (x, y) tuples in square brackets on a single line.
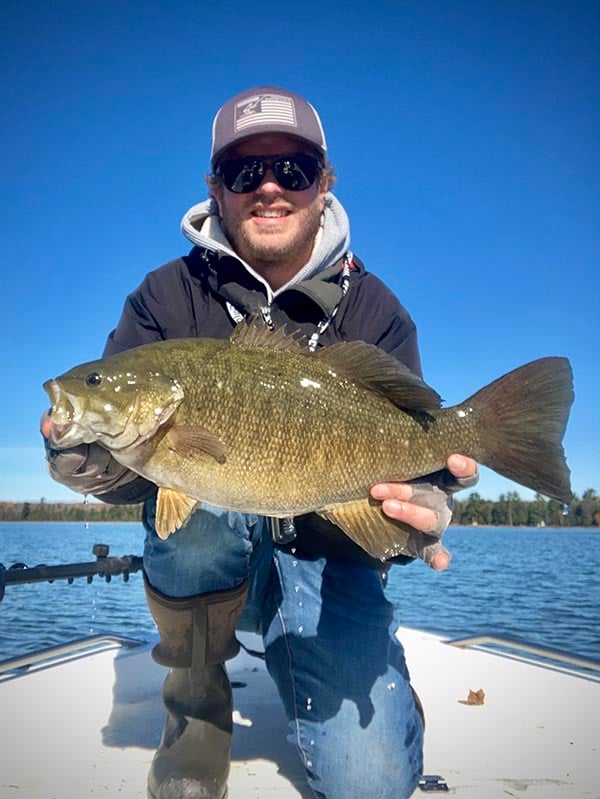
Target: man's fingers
[(401, 491), (417, 516), (436, 556), (464, 469), (429, 549)]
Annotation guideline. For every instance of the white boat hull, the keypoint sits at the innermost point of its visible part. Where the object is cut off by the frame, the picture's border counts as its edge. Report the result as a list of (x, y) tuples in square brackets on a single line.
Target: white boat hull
[(88, 726)]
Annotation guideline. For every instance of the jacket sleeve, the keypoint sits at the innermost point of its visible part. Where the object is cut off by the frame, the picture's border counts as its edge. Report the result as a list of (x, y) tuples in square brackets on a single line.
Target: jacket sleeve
[(164, 306), (138, 323), (375, 315)]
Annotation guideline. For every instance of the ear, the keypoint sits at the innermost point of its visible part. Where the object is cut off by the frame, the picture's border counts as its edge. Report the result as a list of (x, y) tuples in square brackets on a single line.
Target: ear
[(323, 189), (216, 192)]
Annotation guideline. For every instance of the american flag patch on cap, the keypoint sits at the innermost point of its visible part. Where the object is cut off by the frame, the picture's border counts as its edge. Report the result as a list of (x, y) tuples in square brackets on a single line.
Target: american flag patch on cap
[(265, 109)]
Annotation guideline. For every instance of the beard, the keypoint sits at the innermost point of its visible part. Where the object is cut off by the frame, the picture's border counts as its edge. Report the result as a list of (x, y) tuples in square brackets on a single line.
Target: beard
[(266, 247)]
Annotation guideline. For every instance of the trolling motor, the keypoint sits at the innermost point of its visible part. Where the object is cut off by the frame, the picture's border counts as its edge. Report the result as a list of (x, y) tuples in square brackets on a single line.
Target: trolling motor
[(104, 566)]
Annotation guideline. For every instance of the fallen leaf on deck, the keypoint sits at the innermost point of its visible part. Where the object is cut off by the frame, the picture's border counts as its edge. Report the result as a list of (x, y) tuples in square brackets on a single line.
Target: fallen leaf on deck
[(474, 698)]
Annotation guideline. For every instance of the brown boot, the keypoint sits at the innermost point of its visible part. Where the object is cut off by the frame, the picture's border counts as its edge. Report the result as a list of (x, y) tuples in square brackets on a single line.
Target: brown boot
[(197, 635)]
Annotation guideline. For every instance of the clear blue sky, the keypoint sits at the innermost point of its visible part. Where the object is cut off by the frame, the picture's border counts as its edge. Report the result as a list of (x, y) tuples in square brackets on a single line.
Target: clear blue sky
[(465, 136)]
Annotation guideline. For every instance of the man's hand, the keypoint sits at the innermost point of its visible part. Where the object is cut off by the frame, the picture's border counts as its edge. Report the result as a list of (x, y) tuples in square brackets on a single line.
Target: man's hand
[(425, 508), (91, 469)]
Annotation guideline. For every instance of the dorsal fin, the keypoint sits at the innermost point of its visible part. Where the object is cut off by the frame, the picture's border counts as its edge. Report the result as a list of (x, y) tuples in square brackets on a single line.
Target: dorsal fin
[(364, 364), (255, 333), (378, 371)]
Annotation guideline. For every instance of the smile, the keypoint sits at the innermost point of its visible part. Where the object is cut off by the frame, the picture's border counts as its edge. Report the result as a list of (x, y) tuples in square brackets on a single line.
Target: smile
[(271, 214)]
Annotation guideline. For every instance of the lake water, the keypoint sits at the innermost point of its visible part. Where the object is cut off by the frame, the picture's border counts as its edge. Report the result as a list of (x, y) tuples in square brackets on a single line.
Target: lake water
[(538, 584)]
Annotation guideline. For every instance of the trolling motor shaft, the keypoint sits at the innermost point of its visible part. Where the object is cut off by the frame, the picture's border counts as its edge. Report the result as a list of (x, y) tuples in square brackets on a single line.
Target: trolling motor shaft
[(104, 566)]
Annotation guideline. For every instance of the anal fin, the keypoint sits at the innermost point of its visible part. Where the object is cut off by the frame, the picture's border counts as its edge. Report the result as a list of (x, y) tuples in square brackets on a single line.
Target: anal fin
[(173, 509), (367, 525)]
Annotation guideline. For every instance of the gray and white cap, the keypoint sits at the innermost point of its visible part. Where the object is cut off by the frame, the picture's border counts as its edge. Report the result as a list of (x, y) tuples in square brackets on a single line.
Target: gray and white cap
[(265, 109)]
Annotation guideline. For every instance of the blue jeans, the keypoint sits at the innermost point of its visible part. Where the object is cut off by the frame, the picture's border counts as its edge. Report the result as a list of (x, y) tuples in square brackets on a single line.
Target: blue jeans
[(330, 647)]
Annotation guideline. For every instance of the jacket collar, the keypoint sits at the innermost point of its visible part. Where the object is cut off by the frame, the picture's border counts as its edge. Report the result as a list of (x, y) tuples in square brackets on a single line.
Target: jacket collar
[(227, 276)]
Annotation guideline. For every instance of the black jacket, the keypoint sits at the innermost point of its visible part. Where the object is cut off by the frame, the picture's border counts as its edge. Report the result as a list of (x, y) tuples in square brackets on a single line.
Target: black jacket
[(187, 298)]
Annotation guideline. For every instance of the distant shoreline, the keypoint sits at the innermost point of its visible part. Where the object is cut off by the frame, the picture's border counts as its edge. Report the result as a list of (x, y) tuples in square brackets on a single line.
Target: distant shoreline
[(563, 527), (473, 511)]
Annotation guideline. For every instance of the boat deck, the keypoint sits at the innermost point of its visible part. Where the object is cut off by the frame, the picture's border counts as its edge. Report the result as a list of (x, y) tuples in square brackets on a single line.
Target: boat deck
[(88, 726)]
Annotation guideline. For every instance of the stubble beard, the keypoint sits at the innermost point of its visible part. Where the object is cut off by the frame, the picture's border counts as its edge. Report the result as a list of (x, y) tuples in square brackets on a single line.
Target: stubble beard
[(263, 250)]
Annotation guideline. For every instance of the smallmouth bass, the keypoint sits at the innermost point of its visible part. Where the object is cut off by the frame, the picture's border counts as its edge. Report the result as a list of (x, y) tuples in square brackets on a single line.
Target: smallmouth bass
[(259, 424)]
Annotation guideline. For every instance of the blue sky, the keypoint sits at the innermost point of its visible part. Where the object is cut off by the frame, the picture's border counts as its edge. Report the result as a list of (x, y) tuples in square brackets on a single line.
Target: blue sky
[(465, 136)]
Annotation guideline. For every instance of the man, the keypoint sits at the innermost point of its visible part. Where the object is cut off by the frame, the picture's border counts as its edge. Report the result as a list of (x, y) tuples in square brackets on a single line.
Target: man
[(273, 241)]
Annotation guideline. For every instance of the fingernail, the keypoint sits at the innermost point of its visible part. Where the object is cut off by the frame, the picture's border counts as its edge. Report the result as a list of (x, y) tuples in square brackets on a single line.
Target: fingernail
[(440, 561), (380, 491), (394, 505), (459, 462)]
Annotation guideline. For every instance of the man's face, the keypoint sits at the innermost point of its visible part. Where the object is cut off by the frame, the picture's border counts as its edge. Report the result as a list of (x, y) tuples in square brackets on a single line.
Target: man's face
[(271, 228)]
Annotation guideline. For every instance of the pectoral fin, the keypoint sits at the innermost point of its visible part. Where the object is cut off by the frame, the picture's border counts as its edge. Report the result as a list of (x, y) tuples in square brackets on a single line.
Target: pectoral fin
[(173, 509), (366, 524), (195, 442)]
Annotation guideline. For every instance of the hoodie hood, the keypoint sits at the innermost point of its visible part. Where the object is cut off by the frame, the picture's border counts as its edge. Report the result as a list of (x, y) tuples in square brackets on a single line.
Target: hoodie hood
[(202, 226)]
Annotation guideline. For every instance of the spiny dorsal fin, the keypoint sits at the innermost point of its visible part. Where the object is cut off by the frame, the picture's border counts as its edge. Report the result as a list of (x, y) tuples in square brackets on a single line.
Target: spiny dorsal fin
[(378, 371), (361, 363), (255, 333)]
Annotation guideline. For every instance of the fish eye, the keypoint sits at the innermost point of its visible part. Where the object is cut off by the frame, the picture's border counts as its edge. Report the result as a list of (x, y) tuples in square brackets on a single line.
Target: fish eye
[(93, 379)]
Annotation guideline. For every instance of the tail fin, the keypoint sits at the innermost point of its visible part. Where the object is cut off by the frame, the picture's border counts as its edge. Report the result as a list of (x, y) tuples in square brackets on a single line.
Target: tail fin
[(524, 416)]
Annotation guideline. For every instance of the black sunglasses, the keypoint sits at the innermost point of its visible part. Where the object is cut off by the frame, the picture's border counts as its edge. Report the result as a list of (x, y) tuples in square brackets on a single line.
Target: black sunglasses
[(293, 172)]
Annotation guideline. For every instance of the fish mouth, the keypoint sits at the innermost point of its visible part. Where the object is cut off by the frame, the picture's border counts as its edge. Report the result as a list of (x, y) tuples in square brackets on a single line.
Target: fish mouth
[(63, 416), (59, 431)]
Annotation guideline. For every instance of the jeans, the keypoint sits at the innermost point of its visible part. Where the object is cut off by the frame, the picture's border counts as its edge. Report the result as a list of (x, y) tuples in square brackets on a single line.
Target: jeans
[(328, 632)]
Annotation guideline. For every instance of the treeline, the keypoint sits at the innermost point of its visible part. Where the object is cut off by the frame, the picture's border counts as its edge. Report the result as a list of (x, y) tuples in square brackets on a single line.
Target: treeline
[(508, 511), (512, 511), (43, 511)]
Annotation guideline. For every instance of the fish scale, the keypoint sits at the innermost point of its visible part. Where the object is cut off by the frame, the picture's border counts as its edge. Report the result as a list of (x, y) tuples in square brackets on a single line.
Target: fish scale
[(263, 385)]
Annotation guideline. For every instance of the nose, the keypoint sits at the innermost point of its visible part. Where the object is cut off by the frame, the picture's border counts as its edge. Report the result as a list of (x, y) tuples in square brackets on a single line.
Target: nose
[(269, 184)]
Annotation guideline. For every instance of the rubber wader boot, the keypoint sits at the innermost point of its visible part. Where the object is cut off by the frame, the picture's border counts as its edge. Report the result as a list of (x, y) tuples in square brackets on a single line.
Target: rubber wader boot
[(197, 635)]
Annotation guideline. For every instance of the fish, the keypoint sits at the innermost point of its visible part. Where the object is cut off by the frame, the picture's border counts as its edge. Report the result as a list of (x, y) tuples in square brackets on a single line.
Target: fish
[(259, 423)]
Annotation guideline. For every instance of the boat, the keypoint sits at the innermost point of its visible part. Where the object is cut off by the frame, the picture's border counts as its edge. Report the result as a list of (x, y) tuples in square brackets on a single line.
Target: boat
[(504, 718)]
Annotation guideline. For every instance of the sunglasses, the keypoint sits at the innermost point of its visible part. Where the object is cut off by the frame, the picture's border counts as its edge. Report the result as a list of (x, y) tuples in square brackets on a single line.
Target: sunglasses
[(293, 172)]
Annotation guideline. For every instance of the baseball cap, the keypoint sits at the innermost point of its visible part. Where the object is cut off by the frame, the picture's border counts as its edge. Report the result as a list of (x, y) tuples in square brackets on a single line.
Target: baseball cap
[(265, 109)]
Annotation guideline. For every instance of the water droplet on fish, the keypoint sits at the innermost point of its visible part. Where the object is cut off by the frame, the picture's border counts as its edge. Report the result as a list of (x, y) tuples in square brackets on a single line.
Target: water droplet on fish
[(312, 743), (309, 764), (301, 629), (293, 550), (391, 686), (300, 604), (294, 563), (309, 703), (296, 588)]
